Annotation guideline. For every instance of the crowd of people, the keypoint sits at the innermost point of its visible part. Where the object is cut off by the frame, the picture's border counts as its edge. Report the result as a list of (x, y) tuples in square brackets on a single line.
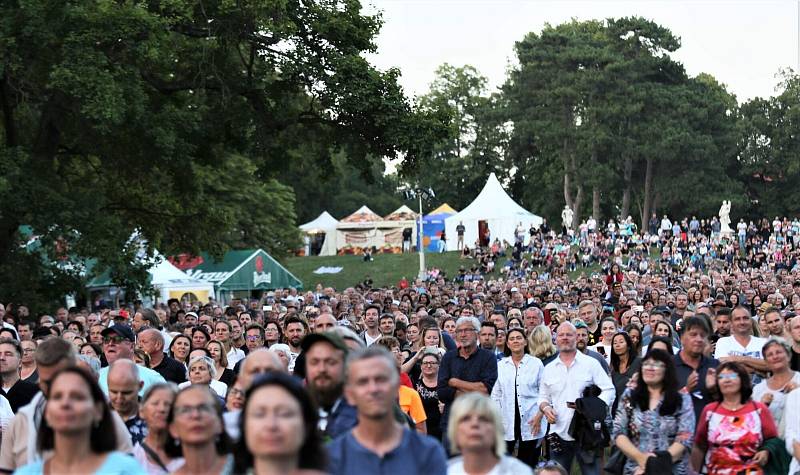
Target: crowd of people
[(680, 355)]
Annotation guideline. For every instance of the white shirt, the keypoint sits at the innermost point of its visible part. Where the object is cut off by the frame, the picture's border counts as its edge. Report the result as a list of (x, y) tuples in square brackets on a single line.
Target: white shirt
[(561, 384), (526, 379), (235, 355), (778, 404), (507, 465), (791, 420), (728, 346)]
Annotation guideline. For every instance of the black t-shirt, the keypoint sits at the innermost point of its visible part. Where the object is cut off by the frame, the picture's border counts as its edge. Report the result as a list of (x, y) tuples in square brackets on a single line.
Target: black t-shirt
[(795, 364), (171, 369), (20, 394), (430, 402), (460, 229)]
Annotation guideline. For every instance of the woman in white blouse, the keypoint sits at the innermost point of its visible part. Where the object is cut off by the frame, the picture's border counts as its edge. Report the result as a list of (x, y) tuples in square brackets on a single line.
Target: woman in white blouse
[(516, 393), (773, 391)]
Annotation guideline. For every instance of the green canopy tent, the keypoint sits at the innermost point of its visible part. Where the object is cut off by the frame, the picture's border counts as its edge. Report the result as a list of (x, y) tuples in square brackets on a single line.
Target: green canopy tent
[(239, 271)]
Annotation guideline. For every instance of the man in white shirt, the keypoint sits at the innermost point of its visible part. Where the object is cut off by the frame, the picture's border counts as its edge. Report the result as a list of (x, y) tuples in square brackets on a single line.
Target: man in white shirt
[(742, 347), (563, 381)]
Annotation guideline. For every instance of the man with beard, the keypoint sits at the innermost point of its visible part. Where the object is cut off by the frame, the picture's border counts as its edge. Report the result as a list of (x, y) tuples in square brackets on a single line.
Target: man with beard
[(372, 333), (294, 331), (325, 354), (582, 335)]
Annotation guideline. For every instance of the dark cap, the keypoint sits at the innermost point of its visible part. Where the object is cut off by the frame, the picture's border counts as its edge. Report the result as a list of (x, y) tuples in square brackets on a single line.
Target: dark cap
[(122, 330), (328, 337), (662, 309)]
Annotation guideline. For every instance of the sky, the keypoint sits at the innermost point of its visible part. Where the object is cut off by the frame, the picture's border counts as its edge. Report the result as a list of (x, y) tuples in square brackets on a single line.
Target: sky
[(742, 43)]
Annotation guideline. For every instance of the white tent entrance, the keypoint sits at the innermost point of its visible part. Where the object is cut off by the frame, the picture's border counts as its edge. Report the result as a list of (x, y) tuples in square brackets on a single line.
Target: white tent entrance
[(492, 215)]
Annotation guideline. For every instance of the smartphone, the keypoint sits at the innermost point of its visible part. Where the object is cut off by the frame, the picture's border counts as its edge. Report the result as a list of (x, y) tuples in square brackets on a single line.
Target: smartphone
[(638, 308), (266, 308)]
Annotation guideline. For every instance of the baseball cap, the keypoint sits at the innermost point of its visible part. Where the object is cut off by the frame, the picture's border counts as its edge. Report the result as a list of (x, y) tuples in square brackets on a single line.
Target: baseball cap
[(191, 314), (663, 310), (122, 330), (328, 337)]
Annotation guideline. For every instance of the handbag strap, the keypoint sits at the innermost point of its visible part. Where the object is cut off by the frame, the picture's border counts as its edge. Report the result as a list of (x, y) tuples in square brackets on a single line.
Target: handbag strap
[(154, 456)]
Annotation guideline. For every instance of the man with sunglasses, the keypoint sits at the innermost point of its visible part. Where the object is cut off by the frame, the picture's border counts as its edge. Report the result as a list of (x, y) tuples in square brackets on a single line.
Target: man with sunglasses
[(118, 343)]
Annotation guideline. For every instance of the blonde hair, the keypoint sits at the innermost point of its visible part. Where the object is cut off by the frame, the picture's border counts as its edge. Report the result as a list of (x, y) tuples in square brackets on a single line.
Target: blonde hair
[(476, 403), (540, 342)]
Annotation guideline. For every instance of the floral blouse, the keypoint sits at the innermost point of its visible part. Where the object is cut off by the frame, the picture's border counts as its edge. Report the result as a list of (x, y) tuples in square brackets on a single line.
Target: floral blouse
[(649, 431), (732, 438)]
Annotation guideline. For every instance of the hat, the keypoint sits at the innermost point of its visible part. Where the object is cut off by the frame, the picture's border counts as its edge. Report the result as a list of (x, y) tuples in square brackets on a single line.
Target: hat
[(663, 310), (191, 314), (122, 330), (328, 337)]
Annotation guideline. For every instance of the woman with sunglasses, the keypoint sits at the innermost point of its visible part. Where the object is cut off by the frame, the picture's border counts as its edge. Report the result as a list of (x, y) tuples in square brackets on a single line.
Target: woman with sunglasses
[(654, 422), (731, 433)]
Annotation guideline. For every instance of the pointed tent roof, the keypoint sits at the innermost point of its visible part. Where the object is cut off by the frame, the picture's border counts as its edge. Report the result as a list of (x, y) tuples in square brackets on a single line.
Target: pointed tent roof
[(493, 202), (323, 222), (249, 269), (163, 273), (443, 209), (362, 215), (403, 213)]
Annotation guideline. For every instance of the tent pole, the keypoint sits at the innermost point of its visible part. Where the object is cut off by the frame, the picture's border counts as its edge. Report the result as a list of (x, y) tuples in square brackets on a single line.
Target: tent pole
[(420, 240)]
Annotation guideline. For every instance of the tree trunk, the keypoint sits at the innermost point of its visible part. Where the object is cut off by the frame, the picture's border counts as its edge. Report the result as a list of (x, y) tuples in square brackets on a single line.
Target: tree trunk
[(648, 192), (625, 210), (595, 190)]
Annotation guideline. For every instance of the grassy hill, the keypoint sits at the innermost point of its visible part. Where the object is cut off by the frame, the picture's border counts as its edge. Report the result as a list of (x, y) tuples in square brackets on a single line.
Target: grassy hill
[(384, 270)]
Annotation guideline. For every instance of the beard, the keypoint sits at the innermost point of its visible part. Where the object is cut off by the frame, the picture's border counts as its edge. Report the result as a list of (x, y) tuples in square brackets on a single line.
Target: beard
[(326, 396)]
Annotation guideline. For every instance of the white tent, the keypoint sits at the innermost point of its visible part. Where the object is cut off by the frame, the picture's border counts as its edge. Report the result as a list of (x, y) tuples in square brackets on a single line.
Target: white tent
[(324, 223), (324, 227), (492, 209), (366, 229), (167, 280), (171, 282)]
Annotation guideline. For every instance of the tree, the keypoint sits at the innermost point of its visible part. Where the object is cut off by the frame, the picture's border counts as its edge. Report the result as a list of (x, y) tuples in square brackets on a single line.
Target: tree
[(176, 120)]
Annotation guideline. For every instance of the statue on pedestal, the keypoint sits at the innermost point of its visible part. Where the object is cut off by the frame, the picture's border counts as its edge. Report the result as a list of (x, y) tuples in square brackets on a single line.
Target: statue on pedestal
[(566, 218), (725, 218)]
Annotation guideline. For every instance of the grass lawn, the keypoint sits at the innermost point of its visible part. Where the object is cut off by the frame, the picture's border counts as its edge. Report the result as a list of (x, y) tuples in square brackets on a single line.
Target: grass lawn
[(385, 269)]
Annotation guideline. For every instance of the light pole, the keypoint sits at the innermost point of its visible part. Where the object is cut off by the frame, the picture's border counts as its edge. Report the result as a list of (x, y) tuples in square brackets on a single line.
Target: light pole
[(421, 241), (420, 193)]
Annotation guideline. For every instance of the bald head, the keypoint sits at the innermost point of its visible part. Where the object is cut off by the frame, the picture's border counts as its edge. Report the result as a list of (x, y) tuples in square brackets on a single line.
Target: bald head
[(259, 362), (123, 387), (324, 322), (123, 370)]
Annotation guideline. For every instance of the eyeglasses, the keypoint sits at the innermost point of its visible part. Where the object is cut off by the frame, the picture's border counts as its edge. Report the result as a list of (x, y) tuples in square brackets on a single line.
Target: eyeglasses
[(236, 392), (116, 339), (653, 365), (464, 331), (728, 376), (430, 363), (29, 350), (201, 409), (253, 338)]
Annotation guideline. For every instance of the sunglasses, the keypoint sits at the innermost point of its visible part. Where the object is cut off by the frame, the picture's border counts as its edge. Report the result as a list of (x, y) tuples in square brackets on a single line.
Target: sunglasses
[(116, 339)]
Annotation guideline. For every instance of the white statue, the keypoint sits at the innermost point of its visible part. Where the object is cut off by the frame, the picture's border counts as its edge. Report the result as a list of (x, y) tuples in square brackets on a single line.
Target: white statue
[(566, 218), (725, 218)]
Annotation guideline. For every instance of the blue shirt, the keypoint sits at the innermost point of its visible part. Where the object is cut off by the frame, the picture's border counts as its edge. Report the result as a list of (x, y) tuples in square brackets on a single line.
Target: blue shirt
[(145, 374), (480, 366), (416, 453), (116, 463)]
